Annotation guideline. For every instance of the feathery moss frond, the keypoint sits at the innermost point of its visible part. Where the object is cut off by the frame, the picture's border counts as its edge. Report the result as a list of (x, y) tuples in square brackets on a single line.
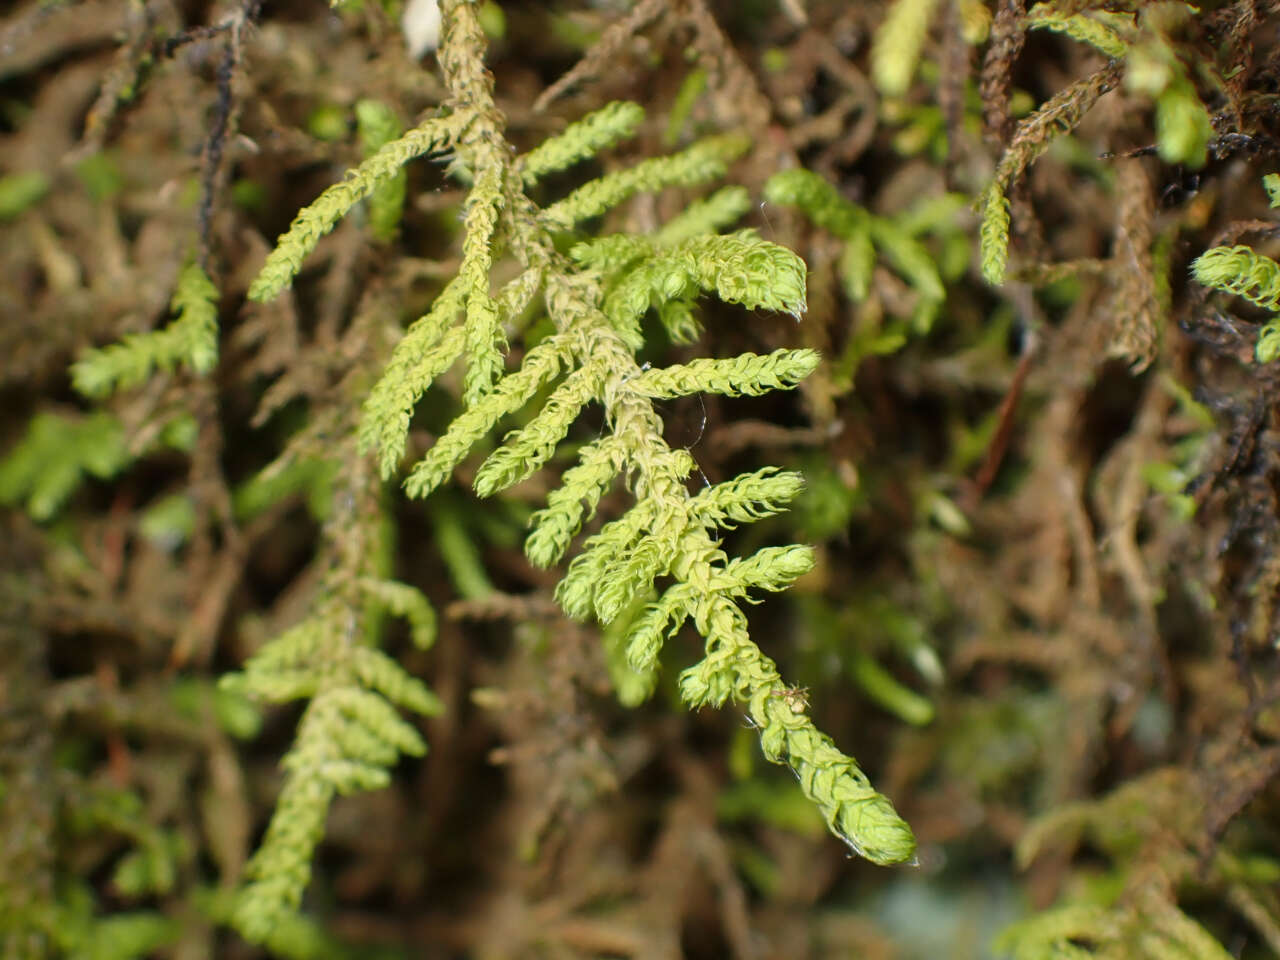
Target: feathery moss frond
[(595, 298), (429, 347), (351, 732), (402, 600), (348, 736), (1267, 349), (819, 200), (1151, 827), (864, 234), (574, 501), (55, 454), (895, 52), (658, 623), (1242, 271), (1058, 932), (769, 568), (709, 215), (346, 739), (541, 364), (744, 375), (1078, 26), (632, 685), (435, 135), (746, 498), (618, 544), (596, 301), (740, 267), (484, 341), (191, 340), (611, 253), (743, 269), (735, 668), (527, 450), (705, 160), (595, 132), (993, 241), (1183, 125), (908, 257), (857, 265)]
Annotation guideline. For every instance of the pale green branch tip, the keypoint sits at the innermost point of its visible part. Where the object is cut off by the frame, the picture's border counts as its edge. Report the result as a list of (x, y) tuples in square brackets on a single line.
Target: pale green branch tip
[(321, 216)]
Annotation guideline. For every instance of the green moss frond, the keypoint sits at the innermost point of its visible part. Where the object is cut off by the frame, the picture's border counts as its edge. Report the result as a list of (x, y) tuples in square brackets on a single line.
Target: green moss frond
[(350, 733), (747, 498), (770, 568), (541, 364), (740, 268), (435, 135), (402, 600), (579, 590), (631, 572), (595, 298), (311, 479), (1085, 27), (747, 374), (743, 269), (994, 234), (484, 341), (527, 450), (55, 455), (857, 265), (705, 160), (678, 319), (375, 670), (1183, 126), (818, 199), (908, 257), (429, 347), (865, 236), (130, 935), (631, 684), (612, 253), (595, 132), (709, 215), (895, 52), (1242, 271), (1151, 828), (1154, 67), (735, 668), (691, 90), (1152, 929), (574, 501), (655, 625), (191, 340)]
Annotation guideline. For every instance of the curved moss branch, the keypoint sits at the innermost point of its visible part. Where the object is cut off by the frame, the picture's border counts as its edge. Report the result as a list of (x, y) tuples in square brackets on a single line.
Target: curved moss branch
[(595, 298)]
